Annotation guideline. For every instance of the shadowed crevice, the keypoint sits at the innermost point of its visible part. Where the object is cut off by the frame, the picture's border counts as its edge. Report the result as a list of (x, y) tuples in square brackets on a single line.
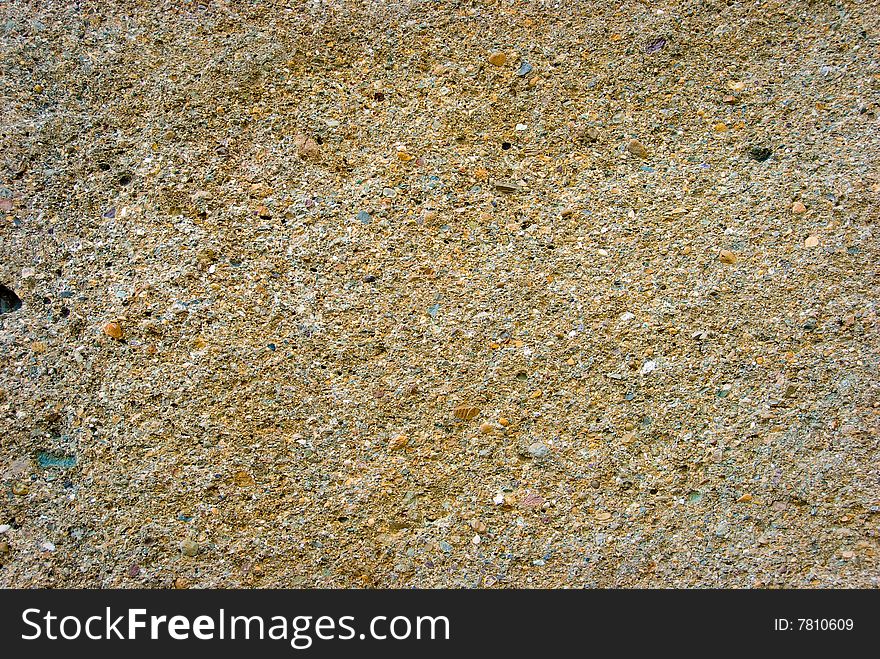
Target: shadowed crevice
[(9, 301)]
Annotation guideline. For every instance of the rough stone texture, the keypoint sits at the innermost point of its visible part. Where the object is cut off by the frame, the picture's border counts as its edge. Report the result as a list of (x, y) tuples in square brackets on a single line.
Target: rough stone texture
[(321, 228)]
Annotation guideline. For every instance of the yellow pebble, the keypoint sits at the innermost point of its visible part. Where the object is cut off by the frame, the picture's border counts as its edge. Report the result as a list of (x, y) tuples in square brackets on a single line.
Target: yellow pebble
[(498, 59), (114, 330), (398, 442)]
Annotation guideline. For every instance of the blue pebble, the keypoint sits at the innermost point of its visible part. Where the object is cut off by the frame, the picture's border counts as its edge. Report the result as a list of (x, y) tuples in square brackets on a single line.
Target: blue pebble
[(46, 460)]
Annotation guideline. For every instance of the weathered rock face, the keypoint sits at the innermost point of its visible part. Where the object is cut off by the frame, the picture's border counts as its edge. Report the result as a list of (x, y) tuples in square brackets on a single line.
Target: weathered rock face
[(438, 294)]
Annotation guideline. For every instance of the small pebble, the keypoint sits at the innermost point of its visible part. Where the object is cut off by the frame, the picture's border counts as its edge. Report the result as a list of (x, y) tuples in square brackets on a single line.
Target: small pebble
[(498, 59), (398, 442), (587, 134), (637, 149), (524, 69), (798, 208), (189, 547), (113, 329), (306, 147), (530, 501), (655, 45), (243, 479), (478, 526), (726, 256), (506, 186), (538, 450), (466, 412)]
